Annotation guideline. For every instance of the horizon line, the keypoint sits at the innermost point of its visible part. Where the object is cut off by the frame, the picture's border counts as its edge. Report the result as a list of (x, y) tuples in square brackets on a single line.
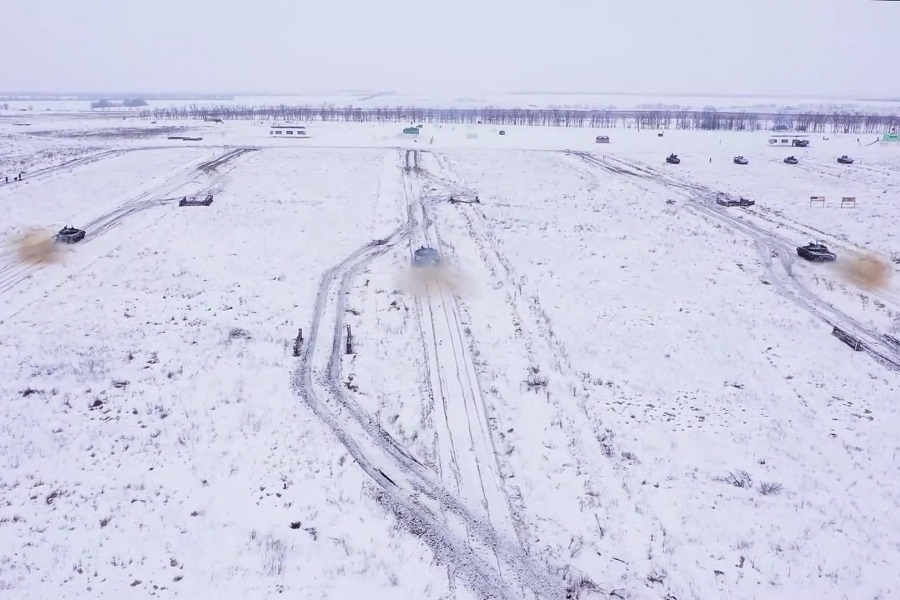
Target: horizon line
[(187, 95)]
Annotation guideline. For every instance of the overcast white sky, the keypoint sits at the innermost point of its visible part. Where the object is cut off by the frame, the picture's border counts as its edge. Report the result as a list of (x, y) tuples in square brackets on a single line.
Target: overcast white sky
[(760, 47)]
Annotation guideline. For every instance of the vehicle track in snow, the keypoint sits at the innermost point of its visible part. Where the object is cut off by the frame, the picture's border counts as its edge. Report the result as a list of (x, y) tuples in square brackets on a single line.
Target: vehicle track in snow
[(464, 438), (46, 172), (14, 272), (52, 170), (771, 245), (490, 563)]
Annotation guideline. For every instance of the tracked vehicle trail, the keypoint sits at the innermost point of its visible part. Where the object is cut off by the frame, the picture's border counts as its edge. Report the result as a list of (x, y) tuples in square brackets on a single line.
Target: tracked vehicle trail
[(474, 541), (771, 246), (13, 272)]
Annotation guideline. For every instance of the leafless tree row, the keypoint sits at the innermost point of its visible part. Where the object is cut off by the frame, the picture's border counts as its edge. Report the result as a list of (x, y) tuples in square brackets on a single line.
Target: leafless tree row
[(707, 119)]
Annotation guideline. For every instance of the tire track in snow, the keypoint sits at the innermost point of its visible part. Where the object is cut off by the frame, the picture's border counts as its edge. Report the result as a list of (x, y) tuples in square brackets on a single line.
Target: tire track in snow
[(46, 172), (702, 201), (407, 488), (464, 441), (15, 272)]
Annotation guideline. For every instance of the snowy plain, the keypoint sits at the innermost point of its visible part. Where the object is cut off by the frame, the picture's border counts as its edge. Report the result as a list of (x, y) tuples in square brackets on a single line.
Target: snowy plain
[(603, 394)]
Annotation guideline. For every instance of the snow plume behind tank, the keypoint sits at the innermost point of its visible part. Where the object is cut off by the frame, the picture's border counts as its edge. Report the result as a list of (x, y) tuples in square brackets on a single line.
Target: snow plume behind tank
[(421, 281)]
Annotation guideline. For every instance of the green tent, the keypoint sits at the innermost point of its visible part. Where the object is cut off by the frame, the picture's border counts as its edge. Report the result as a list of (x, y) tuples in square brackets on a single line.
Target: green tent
[(411, 130), (891, 137)]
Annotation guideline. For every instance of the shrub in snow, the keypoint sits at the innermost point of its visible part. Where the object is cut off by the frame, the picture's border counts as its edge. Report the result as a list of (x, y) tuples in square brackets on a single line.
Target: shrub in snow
[(769, 489), (238, 334), (535, 380), (739, 479)]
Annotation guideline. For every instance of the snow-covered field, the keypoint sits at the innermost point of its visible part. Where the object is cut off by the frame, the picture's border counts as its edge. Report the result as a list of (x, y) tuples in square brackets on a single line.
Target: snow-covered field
[(611, 388)]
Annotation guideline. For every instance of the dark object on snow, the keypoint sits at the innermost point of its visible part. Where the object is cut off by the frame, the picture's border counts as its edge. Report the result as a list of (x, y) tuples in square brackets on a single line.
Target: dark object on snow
[(298, 343), (673, 159), (461, 201), (848, 339), (502, 132), (740, 160), (800, 143), (791, 160), (845, 160), (195, 202), (816, 252), (426, 257), (660, 134), (723, 200), (69, 235)]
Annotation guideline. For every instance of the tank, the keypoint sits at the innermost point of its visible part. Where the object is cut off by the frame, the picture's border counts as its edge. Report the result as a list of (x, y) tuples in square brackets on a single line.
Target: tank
[(845, 160), (426, 257), (70, 235), (724, 200), (673, 159), (196, 201), (816, 252), (740, 160), (791, 160)]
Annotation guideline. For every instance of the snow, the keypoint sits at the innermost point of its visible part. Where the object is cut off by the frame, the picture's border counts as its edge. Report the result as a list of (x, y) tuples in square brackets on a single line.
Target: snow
[(601, 391)]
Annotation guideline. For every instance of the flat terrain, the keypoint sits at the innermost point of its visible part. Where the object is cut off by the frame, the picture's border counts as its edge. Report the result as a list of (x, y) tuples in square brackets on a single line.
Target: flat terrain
[(611, 387)]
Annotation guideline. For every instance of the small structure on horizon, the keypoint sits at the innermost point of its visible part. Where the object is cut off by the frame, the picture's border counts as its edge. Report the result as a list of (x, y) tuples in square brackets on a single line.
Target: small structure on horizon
[(795, 139), (410, 131), (602, 139), (293, 131)]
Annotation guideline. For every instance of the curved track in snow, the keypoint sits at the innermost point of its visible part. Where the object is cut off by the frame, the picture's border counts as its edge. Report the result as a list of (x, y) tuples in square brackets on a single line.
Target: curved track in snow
[(478, 551), (14, 272), (771, 246), (465, 449)]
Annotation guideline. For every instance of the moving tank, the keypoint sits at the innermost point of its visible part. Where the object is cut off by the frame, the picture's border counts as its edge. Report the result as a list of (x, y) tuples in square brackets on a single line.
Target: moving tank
[(70, 235), (426, 257), (673, 159), (845, 160), (740, 160), (816, 252), (791, 160)]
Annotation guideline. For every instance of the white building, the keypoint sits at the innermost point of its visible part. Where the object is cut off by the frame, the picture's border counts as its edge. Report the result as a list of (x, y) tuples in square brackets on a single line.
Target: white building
[(788, 139), (288, 130)]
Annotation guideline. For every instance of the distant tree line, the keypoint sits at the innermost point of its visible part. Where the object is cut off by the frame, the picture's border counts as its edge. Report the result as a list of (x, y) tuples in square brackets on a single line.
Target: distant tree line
[(707, 119), (127, 103)]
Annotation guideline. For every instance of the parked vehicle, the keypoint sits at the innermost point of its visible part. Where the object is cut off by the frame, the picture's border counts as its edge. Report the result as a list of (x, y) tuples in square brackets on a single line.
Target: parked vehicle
[(724, 200), (740, 160), (196, 201), (673, 159), (800, 143), (845, 160), (791, 160), (816, 252)]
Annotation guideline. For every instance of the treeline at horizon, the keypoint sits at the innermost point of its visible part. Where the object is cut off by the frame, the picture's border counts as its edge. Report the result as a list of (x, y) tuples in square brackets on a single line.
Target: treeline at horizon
[(706, 119)]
